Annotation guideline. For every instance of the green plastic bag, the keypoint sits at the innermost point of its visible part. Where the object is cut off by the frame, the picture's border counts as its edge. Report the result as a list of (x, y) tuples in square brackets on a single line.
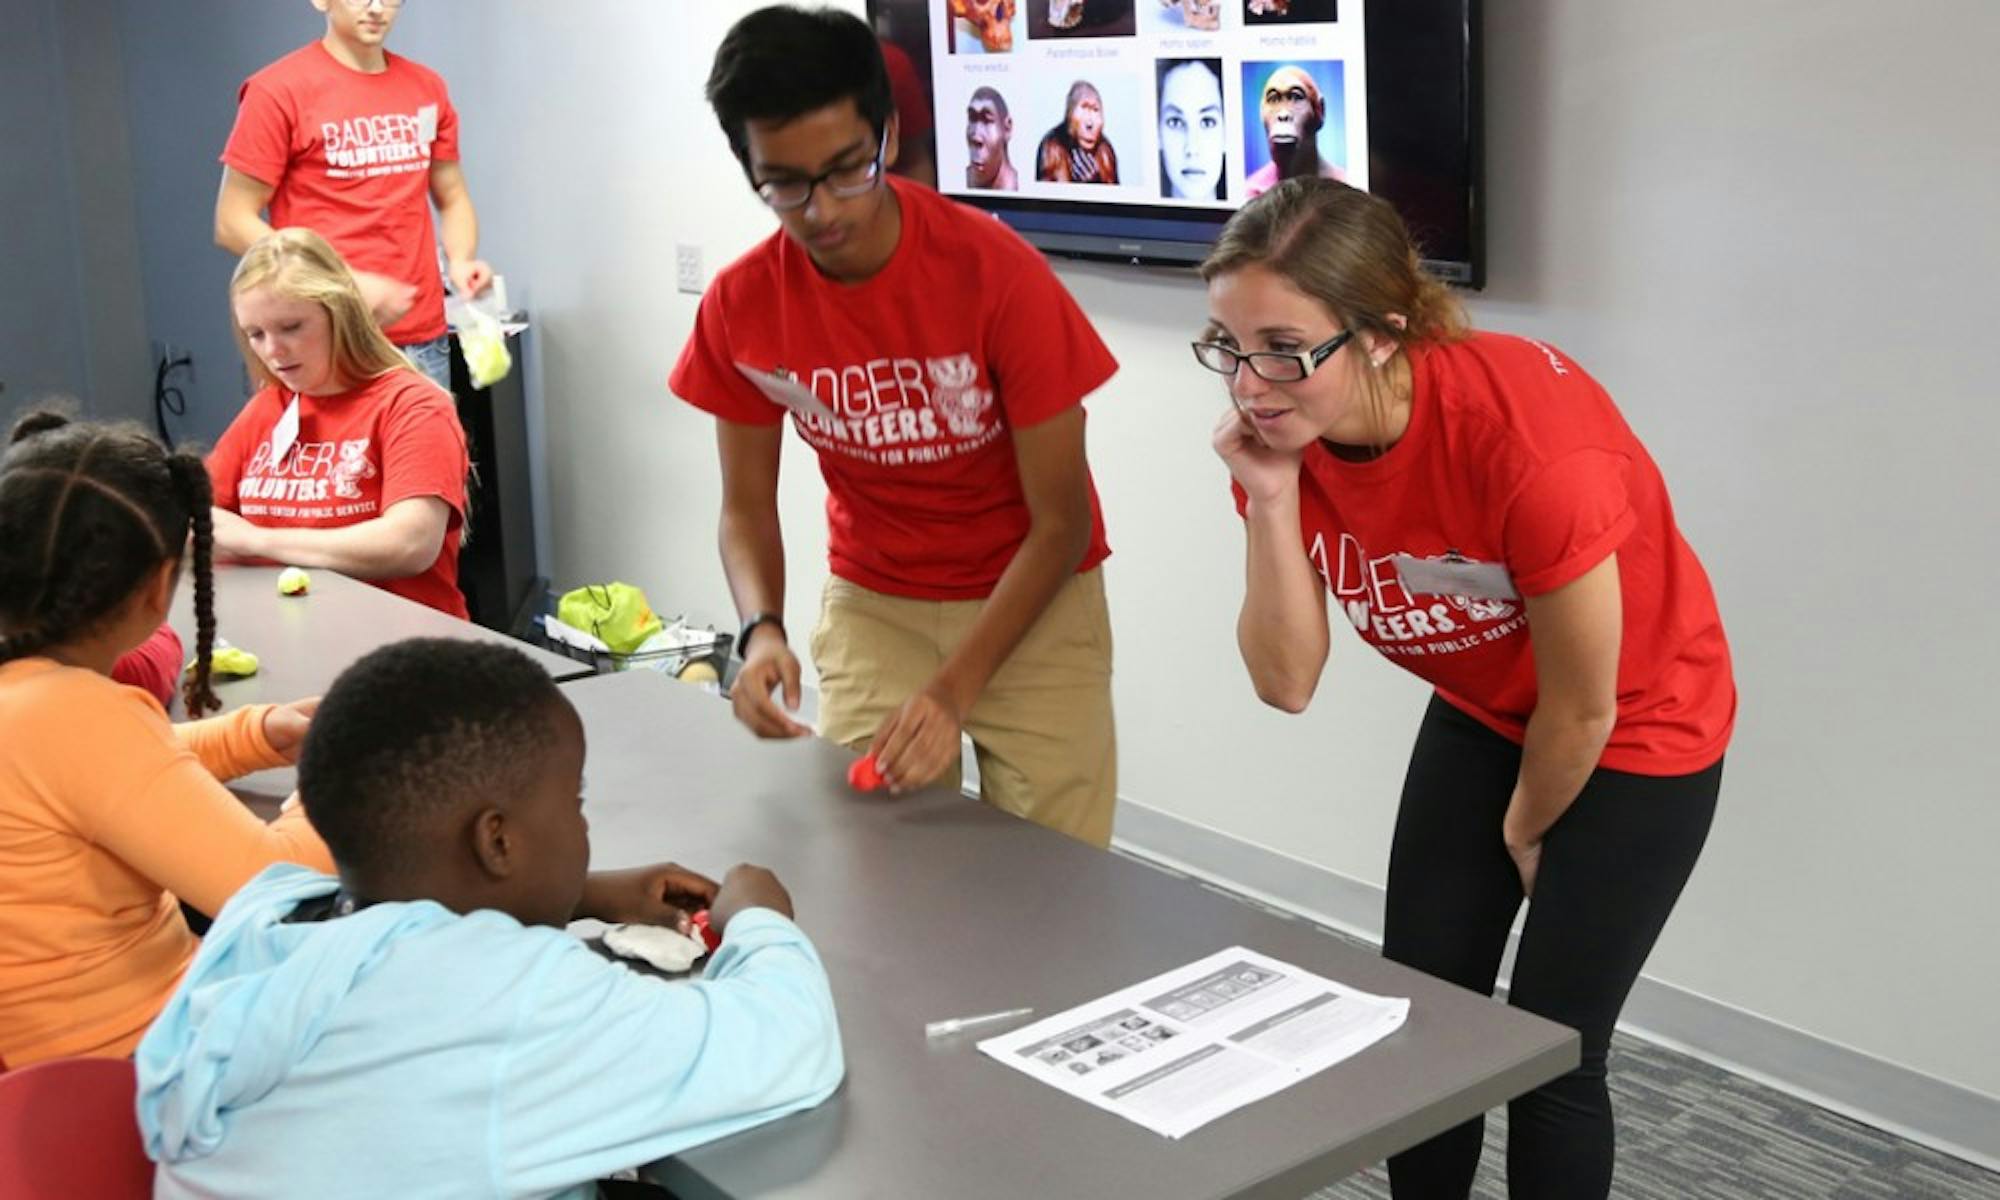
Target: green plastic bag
[(484, 346), (617, 613)]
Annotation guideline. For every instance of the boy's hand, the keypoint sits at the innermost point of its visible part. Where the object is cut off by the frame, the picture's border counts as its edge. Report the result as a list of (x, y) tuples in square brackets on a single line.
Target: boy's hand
[(658, 895), (918, 742), (768, 665), (747, 887), (285, 727)]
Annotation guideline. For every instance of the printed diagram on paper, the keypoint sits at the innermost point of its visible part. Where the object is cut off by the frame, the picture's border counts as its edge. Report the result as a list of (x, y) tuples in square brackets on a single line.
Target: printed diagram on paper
[(1183, 1048)]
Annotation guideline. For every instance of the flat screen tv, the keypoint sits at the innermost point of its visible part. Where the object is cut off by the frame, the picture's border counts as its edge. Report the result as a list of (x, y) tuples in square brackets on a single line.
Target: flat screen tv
[(1130, 129)]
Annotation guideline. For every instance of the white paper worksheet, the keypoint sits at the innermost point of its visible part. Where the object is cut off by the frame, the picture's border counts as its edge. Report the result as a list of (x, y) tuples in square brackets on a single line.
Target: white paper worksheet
[(1183, 1048)]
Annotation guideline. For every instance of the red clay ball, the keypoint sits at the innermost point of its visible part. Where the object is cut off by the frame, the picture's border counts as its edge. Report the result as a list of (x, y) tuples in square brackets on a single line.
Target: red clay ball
[(863, 776)]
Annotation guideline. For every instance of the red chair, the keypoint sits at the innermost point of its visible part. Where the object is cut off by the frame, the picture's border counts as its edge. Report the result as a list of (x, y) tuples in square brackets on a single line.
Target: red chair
[(67, 1128)]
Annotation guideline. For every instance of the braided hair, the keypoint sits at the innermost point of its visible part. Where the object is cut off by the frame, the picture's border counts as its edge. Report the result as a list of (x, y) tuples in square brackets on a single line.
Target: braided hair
[(87, 512)]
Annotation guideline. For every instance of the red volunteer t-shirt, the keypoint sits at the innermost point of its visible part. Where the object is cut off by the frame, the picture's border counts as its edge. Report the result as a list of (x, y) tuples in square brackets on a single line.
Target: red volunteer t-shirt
[(1517, 468), (349, 155), (908, 385), (395, 438), (153, 666)]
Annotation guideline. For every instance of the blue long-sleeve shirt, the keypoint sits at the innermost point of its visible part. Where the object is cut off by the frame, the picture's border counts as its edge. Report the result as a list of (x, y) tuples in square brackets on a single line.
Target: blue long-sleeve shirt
[(406, 1050)]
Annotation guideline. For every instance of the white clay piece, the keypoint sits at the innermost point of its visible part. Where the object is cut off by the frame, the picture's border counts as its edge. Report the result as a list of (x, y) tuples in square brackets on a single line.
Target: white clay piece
[(668, 949)]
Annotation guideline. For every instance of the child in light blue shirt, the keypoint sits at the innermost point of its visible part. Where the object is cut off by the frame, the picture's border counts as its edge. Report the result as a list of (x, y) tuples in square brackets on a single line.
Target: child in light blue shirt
[(422, 1026)]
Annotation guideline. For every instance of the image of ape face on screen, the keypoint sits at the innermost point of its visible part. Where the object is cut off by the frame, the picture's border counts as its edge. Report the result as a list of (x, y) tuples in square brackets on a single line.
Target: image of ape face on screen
[(988, 129), (1180, 16), (1077, 151), (1081, 18), (1301, 126), (982, 26), (1290, 12), (1192, 137)]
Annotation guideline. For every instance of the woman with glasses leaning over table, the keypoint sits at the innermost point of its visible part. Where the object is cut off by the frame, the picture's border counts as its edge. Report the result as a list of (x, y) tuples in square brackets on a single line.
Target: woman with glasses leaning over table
[(1484, 517)]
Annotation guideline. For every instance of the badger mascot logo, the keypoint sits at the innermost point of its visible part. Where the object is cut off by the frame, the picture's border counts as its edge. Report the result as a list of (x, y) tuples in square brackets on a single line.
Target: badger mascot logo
[(953, 397), (352, 467)]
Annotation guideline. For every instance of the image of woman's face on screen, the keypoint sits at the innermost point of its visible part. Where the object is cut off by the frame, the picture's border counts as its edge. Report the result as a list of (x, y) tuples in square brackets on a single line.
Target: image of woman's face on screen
[(1191, 132)]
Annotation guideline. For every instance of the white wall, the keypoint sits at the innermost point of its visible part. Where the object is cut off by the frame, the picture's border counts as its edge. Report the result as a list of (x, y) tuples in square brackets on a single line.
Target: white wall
[(1768, 229)]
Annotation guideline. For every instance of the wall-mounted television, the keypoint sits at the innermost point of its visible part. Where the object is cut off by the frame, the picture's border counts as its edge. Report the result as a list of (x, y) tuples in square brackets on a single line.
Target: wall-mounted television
[(1130, 129)]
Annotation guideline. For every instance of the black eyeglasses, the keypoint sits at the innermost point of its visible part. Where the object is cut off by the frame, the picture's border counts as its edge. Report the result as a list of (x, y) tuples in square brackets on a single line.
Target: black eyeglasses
[(784, 195), (1275, 366)]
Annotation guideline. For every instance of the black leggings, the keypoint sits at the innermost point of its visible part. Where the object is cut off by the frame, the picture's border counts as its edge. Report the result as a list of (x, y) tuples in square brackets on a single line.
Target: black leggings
[(1610, 872)]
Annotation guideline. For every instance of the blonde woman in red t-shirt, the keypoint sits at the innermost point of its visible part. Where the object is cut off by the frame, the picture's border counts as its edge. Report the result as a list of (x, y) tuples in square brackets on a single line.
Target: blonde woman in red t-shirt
[(1483, 517), (347, 457)]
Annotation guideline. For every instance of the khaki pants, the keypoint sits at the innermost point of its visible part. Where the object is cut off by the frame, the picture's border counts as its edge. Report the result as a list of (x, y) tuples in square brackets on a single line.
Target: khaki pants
[(1042, 729)]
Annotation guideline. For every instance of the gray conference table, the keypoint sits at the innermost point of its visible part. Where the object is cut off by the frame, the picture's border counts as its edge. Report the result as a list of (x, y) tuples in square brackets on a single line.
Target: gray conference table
[(935, 906), (303, 642)]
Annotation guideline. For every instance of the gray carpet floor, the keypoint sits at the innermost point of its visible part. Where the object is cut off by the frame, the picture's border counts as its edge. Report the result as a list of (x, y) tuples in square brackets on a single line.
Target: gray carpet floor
[(1691, 1131)]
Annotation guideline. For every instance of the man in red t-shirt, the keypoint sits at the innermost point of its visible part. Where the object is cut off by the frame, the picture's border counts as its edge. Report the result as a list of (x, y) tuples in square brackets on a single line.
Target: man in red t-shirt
[(938, 368), (355, 143)]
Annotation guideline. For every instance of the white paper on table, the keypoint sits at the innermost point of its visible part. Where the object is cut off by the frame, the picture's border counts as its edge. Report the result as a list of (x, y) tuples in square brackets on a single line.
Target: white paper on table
[(1188, 1046), (788, 391)]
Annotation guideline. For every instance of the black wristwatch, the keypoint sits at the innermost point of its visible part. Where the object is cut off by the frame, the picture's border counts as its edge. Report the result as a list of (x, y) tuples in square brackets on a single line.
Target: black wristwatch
[(750, 627)]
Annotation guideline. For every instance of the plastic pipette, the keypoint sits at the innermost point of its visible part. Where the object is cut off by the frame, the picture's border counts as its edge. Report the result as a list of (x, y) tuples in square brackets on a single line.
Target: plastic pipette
[(951, 1025)]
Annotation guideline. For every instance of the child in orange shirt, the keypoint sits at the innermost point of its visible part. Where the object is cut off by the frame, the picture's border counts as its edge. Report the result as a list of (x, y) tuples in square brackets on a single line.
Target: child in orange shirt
[(109, 814)]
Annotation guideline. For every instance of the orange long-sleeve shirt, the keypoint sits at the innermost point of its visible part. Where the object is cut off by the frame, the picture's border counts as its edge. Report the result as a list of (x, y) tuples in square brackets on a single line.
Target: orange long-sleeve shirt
[(108, 814)]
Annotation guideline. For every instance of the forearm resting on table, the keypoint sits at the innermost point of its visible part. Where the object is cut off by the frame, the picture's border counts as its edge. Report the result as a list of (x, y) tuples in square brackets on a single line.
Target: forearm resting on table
[(400, 543), (1281, 630), (231, 744)]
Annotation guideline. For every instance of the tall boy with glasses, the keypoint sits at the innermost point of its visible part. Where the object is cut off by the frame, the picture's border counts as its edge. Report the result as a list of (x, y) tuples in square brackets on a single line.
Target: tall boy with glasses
[(937, 367), (355, 143)]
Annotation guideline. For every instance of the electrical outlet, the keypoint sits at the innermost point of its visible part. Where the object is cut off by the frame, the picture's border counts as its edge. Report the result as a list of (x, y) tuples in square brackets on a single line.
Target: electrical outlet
[(687, 269)]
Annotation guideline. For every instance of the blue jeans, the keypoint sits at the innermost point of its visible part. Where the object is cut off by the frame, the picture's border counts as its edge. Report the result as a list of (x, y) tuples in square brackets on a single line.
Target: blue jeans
[(433, 358)]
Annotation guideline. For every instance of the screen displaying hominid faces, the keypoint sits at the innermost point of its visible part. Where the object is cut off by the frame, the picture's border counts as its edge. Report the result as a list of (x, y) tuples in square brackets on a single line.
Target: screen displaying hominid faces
[(1176, 104)]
